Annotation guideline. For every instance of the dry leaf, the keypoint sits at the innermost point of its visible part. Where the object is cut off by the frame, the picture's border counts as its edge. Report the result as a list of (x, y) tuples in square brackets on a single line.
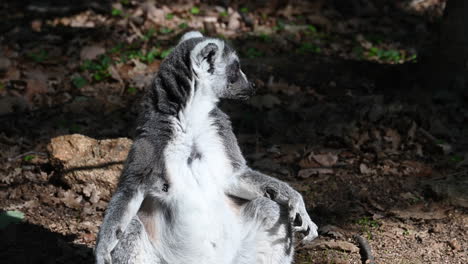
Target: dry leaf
[(364, 169), (91, 52), (326, 159), (307, 173)]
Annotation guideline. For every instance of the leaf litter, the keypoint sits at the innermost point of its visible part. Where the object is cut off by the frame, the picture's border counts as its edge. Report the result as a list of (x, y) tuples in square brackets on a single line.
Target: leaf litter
[(319, 124)]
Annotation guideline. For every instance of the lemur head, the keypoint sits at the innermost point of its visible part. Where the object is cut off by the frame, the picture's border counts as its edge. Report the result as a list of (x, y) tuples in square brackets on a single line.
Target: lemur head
[(216, 67)]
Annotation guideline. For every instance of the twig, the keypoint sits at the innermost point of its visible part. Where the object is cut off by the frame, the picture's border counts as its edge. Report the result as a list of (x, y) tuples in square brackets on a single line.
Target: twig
[(428, 136), (28, 153), (365, 250)]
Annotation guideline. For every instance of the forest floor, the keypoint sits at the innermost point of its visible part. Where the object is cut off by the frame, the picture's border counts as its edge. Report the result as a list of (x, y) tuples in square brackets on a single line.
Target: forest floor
[(337, 115)]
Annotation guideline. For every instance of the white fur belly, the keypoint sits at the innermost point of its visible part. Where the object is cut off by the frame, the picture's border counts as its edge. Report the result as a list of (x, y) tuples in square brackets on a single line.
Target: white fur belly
[(204, 222)]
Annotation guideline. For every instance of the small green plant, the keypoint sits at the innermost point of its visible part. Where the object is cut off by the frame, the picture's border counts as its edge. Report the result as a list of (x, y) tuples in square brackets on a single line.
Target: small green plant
[(367, 222), (39, 56), (265, 37), (148, 35), (28, 158), (116, 12), (406, 232), (151, 55), (253, 53), (132, 90), (116, 49), (308, 47), (456, 158), (169, 16), (165, 30), (164, 53), (99, 68), (390, 55), (312, 28), (195, 10), (280, 25), (244, 10), (79, 82), (183, 25), (224, 14), (125, 2)]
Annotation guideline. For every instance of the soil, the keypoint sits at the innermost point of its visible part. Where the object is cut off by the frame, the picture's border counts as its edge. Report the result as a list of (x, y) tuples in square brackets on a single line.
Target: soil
[(338, 115)]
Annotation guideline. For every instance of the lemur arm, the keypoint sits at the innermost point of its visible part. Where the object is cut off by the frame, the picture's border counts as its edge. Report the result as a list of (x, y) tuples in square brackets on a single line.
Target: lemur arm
[(121, 209), (127, 199), (250, 184)]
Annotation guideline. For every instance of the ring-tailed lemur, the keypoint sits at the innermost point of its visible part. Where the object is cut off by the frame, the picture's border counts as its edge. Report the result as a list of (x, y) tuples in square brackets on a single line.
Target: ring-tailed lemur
[(186, 194)]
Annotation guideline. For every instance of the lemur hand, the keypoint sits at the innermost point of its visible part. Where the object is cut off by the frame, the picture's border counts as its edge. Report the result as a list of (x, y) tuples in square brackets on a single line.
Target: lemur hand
[(300, 219)]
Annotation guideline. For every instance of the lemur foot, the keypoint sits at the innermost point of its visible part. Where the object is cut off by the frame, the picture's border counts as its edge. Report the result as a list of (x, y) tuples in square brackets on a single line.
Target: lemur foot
[(300, 219)]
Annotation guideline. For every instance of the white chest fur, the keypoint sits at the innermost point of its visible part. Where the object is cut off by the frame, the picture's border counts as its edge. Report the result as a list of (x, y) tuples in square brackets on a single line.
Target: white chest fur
[(196, 157), (198, 168)]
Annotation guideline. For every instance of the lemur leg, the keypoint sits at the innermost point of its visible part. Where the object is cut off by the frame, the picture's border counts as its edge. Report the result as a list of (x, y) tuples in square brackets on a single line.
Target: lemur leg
[(268, 232), (134, 247), (251, 184)]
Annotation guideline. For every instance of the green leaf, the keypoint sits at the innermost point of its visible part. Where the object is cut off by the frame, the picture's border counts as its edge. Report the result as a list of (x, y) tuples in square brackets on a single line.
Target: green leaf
[(10, 217), (116, 12), (169, 16), (165, 30), (79, 82), (39, 56), (28, 157), (244, 10), (224, 14), (253, 53), (456, 158), (312, 28), (165, 53), (183, 25), (132, 90), (195, 10)]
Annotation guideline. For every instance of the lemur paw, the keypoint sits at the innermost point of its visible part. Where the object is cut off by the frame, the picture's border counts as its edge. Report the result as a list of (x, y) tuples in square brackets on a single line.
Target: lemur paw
[(300, 219)]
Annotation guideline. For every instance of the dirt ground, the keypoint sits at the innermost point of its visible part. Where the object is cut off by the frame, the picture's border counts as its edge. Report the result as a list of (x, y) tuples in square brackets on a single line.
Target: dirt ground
[(337, 115)]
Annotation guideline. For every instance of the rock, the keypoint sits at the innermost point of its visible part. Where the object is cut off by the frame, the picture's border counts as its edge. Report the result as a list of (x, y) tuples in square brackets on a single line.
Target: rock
[(83, 161), (338, 245)]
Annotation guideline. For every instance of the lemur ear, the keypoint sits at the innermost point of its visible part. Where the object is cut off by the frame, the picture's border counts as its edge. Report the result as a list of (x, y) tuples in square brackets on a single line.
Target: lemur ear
[(190, 35), (208, 52), (206, 57)]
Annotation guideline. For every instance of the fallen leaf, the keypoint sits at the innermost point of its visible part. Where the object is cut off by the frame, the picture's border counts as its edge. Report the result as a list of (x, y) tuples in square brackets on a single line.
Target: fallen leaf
[(364, 169), (91, 52), (326, 160), (307, 173), (71, 199), (392, 136), (234, 21)]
